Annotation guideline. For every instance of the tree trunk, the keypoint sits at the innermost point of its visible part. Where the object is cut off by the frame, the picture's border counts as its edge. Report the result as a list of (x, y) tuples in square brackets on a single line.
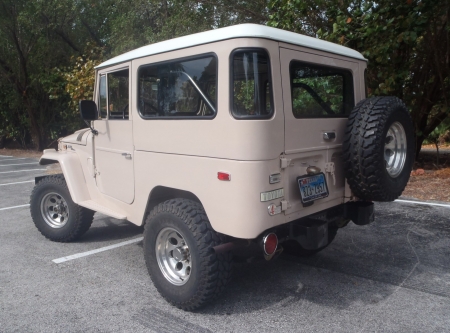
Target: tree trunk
[(437, 153), (419, 141), (35, 130), (36, 137)]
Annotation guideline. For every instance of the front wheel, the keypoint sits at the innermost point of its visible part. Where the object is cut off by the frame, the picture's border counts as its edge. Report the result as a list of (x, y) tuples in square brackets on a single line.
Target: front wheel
[(179, 254), (54, 213)]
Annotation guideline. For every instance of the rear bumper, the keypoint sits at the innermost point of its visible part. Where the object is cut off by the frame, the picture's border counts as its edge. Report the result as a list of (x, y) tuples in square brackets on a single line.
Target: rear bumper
[(312, 232)]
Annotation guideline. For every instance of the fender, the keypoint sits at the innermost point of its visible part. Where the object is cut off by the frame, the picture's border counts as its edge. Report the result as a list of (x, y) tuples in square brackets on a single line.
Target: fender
[(72, 170)]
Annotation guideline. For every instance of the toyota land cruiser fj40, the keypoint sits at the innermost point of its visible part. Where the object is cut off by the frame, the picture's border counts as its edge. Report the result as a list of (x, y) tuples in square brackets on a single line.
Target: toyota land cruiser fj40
[(223, 141)]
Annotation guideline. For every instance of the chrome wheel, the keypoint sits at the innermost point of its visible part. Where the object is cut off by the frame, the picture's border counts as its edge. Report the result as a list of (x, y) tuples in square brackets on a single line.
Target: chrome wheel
[(54, 210), (395, 149), (173, 256)]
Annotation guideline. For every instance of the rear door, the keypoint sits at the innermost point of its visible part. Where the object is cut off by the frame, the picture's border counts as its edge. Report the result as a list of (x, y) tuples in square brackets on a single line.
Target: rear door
[(319, 93)]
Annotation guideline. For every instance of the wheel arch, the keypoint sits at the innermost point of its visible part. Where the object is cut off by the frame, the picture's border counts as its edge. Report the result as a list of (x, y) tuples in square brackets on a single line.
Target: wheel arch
[(163, 193), (72, 171)]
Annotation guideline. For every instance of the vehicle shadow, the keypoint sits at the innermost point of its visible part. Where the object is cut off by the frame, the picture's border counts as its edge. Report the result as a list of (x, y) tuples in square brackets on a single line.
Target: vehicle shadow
[(106, 229), (365, 265)]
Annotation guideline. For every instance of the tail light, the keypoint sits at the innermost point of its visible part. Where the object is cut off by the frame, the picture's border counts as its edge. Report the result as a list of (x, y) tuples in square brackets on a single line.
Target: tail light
[(270, 243)]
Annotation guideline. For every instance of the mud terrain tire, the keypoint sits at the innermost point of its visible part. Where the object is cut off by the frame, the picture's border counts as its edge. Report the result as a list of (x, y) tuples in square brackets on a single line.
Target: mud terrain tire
[(209, 271), (79, 218), (377, 163)]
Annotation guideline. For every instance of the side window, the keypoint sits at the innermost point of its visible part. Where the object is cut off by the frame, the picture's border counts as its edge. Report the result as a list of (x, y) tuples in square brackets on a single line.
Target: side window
[(102, 98), (320, 92), (118, 99), (181, 88), (251, 84)]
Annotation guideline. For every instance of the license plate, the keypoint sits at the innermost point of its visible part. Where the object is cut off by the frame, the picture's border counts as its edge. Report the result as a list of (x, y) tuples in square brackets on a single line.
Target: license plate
[(312, 187)]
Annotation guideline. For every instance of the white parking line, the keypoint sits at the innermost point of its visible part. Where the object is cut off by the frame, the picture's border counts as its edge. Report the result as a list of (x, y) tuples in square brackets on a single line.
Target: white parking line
[(5, 165), (23, 170), (422, 203), (20, 158), (5, 156), (14, 207), (102, 249), (28, 181)]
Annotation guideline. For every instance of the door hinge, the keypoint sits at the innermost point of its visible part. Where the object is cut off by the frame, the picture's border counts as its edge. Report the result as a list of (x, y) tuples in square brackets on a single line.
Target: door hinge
[(285, 205), (329, 168), (284, 162)]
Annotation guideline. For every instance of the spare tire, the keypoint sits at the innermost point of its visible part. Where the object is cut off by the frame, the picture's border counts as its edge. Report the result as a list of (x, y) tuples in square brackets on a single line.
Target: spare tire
[(379, 149)]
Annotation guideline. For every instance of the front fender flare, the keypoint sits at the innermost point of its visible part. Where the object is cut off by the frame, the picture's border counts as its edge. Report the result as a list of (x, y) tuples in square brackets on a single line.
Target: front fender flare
[(72, 170)]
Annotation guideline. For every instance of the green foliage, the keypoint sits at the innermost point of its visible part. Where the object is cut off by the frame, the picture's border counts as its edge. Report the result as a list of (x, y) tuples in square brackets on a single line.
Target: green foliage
[(244, 96), (328, 88), (37, 37), (79, 85), (49, 48), (406, 42), (440, 135)]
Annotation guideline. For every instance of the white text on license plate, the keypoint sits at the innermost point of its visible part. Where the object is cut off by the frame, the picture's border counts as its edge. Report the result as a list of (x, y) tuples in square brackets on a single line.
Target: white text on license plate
[(313, 187)]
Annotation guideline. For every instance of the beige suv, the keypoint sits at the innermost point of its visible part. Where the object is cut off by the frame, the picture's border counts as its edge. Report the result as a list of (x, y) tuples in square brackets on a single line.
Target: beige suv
[(223, 142)]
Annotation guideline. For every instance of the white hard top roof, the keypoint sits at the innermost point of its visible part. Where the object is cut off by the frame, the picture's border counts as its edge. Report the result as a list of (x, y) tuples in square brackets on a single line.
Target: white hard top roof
[(235, 31)]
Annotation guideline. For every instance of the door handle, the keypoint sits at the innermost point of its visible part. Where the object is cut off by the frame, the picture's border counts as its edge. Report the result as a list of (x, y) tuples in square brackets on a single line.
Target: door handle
[(329, 135), (126, 155)]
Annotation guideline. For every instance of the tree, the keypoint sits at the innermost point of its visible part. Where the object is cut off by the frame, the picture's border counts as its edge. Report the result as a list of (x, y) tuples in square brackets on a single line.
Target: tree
[(406, 42), (37, 37)]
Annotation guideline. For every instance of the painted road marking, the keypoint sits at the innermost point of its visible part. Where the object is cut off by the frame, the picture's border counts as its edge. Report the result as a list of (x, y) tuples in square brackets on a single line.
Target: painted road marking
[(20, 158), (28, 181), (423, 203), (5, 165), (102, 249), (14, 207), (23, 170), (5, 156)]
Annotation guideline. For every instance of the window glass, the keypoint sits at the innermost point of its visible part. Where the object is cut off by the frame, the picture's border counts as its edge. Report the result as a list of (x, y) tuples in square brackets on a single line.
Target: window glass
[(184, 88), (320, 92), (118, 99), (252, 91), (102, 97)]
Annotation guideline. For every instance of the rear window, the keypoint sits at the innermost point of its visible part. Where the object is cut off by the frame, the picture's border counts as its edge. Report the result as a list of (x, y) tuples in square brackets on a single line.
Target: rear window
[(178, 89), (320, 91), (251, 95)]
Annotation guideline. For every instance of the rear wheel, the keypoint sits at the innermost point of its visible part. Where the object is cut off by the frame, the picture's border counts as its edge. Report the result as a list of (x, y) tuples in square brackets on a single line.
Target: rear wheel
[(379, 149), (54, 213), (181, 261)]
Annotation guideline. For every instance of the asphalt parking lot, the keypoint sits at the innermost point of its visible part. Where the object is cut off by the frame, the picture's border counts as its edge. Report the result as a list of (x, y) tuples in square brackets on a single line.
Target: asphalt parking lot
[(390, 276)]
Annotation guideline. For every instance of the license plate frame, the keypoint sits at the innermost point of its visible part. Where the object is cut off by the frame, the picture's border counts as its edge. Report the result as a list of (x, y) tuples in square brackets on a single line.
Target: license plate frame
[(306, 181)]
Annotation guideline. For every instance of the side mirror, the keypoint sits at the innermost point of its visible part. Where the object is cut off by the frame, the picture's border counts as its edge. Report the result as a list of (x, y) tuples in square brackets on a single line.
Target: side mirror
[(88, 110)]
